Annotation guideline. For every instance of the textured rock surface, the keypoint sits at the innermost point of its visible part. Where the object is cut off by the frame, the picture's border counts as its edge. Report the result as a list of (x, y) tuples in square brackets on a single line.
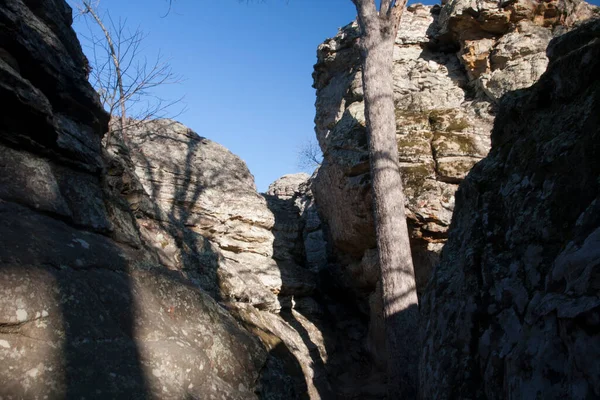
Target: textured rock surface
[(198, 186), (445, 105), (197, 205), (512, 310), (298, 231), (327, 322), (153, 270), (109, 280), (451, 65), (159, 272)]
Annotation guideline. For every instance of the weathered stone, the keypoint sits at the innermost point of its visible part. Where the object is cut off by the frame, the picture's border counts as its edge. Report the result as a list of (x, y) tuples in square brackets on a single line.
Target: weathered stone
[(155, 334), (451, 66), (95, 302), (46, 69), (512, 310)]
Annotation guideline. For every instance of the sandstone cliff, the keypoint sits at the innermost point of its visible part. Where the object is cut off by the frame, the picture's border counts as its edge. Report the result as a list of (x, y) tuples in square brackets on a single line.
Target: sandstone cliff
[(122, 272), (513, 309), (452, 64), (152, 269), (155, 269), (197, 208), (87, 308)]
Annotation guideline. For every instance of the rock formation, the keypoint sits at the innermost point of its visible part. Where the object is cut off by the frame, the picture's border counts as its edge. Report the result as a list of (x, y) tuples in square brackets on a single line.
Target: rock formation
[(197, 207), (122, 272), (153, 268), (451, 66), (513, 309), (87, 308), (299, 236)]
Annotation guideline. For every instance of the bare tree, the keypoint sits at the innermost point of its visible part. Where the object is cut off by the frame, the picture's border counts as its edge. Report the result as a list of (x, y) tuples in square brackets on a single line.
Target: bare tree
[(309, 155), (379, 28), (124, 79)]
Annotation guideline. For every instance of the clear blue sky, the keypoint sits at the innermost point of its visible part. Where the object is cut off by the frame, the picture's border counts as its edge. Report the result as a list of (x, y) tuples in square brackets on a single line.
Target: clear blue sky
[(247, 68)]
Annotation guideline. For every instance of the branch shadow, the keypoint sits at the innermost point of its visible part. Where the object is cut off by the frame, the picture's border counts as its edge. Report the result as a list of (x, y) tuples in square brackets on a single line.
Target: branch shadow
[(183, 249), (81, 340)]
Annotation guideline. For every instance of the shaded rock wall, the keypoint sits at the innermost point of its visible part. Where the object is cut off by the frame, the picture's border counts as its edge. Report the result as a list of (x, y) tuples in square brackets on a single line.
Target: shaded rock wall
[(299, 236), (451, 65), (512, 310), (343, 369)]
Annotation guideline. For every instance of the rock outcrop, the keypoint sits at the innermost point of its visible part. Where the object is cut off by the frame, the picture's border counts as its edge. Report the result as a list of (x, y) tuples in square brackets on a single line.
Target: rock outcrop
[(150, 269), (298, 231), (196, 205), (513, 309), (153, 269), (199, 186), (342, 368), (87, 308), (452, 63)]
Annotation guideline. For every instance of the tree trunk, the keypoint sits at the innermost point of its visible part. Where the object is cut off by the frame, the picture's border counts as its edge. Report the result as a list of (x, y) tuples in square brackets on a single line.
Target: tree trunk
[(115, 58), (400, 304)]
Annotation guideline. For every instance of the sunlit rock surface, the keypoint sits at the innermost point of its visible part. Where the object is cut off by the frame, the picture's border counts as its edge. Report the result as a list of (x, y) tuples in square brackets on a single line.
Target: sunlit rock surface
[(121, 271), (87, 307), (155, 269)]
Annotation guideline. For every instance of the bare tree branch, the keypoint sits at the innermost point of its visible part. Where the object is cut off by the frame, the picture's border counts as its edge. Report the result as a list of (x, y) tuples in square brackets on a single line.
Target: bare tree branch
[(124, 79), (115, 59), (309, 155), (396, 16), (386, 6)]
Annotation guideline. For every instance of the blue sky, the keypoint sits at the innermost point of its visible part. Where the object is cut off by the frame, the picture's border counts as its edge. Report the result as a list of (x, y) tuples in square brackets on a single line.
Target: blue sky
[(246, 67)]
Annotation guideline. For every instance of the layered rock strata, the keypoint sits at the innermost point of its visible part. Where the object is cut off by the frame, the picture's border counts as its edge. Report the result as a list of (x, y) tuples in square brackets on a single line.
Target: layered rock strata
[(452, 64), (513, 309), (141, 271), (87, 308)]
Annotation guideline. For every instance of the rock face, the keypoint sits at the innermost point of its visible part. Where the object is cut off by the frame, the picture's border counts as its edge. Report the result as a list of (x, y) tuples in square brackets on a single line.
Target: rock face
[(451, 66), (512, 310), (198, 186), (197, 206), (341, 368), (150, 270), (155, 270), (87, 308), (298, 231)]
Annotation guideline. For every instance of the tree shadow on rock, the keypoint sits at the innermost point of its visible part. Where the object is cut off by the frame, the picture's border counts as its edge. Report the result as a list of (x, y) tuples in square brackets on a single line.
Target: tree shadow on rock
[(173, 190), (76, 299)]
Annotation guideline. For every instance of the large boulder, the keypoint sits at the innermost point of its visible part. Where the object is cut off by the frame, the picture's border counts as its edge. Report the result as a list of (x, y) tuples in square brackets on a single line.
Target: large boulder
[(197, 207), (199, 187), (512, 310)]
